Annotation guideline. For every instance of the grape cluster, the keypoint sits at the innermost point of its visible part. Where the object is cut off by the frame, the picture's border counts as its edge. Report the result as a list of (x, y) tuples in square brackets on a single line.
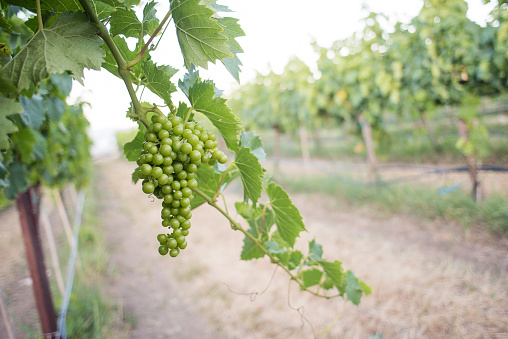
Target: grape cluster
[(168, 165)]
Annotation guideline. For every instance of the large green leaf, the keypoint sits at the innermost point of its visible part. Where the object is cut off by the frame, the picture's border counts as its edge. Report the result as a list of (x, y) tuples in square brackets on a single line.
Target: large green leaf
[(70, 44), (202, 98), (18, 179), (251, 173), (24, 142), (125, 22), (335, 271), (110, 62), (249, 139), (315, 250), (35, 110), (250, 250), (157, 80), (7, 107), (287, 217), (132, 149), (311, 277), (232, 30), (353, 288), (48, 5), (200, 36), (208, 180)]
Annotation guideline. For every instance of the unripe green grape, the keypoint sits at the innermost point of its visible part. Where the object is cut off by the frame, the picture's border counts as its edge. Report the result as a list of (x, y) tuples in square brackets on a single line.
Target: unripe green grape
[(168, 198), (166, 212), (186, 133), (175, 185), (185, 233), (156, 172), (180, 218), (192, 168), (193, 140), (163, 179), (163, 250), (148, 157), (177, 194), (192, 183), (148, 187), (198, 127), (180, 239), (166, 189), (161, 119), (178, 167), (185, 225), (195, 156), (183, 182), (167, 125), (178, 129), (150, 137), (167, 141), (175, 224), (190, 125), (203, 137), (167, 161), (212, 136), (223, 159), (186, 148), (183, 158), (154, 149), (175, 203), (169, 170), (176, 120), (146, 169), (157, 127), (154, 118), (147, 145), (184, 202), (165, 223), (162, 238), (186, 192), (163, 134), (174, 252), (209, 144), (171, 243), (175, 211), (182, 175), (165, 150), (177, 146), (157, 159)]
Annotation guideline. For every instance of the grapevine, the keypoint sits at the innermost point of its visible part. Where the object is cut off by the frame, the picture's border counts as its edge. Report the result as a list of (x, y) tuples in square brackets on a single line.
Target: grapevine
[(171, 156)]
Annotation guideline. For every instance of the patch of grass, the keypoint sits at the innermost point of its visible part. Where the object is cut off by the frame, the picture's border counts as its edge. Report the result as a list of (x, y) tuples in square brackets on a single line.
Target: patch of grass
[(458, 206)]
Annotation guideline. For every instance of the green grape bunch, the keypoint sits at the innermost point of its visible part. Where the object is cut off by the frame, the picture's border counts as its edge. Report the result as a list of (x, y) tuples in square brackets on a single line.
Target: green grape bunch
[(168, 165)]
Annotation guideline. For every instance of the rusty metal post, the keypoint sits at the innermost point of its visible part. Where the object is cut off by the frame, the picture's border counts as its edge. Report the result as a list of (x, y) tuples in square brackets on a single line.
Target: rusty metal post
[(28, 214)]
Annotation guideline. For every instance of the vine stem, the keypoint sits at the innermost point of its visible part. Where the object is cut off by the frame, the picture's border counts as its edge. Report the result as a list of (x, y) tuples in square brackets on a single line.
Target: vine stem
[(139, 112), (39, 14), (157, 30), (237, 227)]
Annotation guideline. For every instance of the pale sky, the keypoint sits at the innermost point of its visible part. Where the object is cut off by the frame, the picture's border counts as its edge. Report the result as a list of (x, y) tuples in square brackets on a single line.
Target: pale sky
[(276, 30)]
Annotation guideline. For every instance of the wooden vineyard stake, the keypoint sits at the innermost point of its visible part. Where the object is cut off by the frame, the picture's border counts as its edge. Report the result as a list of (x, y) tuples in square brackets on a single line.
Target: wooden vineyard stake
[(28, 214), (52, 250)]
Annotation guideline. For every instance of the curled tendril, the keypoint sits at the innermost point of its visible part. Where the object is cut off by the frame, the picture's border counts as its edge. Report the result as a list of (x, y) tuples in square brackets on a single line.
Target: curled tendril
[(253, 295), (151, 196)]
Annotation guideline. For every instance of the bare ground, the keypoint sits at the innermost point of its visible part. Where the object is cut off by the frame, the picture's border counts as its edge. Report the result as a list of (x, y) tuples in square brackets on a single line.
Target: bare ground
[(429, 279)]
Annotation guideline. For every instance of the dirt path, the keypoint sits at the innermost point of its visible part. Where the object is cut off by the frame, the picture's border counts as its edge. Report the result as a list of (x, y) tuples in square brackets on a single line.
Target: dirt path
[(429, 280)]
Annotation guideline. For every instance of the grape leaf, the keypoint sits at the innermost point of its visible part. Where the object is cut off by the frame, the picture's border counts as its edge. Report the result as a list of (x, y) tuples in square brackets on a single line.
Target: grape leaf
[(208, 181), (110, 62), (63, 82), (103, 9), (189, 79), (134, 176), (69, 44), (150, 21), (251, 174), (212, 4), (232, 30), (18, 179), (311, 277), (202, 98), (125, 22), (35, 110), (335, 272), (157, 80), (24, 142), (353, 288), (287, 217), (132, 149), (315, 250), (249, 139), (200, 36), (55, 107), (48, 5), (183, 110), (7, 107), (250, 250)]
